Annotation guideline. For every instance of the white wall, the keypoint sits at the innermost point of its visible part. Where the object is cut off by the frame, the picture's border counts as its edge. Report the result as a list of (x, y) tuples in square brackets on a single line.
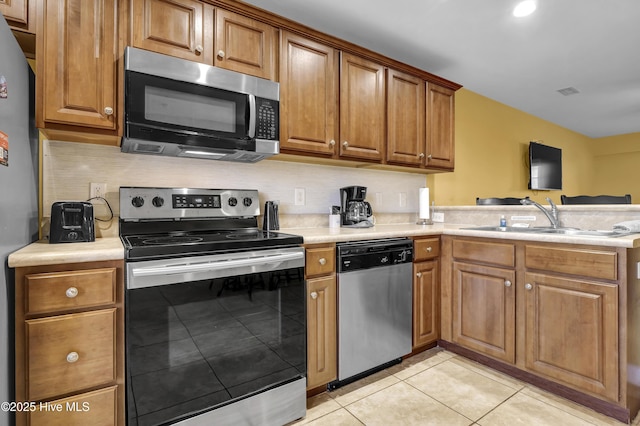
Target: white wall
[(69, 168)]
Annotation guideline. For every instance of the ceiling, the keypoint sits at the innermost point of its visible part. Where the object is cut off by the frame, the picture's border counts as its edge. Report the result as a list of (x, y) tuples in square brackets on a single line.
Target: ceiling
[(592, 46)]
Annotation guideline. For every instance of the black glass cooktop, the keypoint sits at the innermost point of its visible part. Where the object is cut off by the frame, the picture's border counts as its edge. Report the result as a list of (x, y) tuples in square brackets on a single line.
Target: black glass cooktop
[(172, 244)]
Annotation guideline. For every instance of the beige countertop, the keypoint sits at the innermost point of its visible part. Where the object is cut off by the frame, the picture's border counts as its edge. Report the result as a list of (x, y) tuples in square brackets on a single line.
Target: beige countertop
[(43, 253), (327, 235)]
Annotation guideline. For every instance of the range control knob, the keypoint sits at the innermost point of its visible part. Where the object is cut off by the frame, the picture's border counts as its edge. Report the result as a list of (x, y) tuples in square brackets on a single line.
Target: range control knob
[(157, 201), (137, 201), (233, 201), (247, 201)]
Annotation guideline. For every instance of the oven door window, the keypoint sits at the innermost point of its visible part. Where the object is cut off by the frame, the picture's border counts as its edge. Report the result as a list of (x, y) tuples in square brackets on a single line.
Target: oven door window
[(174, 105), (193, 346)]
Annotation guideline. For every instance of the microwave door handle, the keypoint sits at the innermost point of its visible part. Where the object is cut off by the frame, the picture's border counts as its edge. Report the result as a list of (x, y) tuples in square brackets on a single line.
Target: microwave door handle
[(252, 116)]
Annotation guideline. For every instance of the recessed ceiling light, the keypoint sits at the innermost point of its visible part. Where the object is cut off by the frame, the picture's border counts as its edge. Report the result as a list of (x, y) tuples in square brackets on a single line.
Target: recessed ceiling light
[(524, 8)]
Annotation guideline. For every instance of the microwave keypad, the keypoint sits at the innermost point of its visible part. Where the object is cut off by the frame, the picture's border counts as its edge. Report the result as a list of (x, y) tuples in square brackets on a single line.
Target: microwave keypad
[(267, 120)]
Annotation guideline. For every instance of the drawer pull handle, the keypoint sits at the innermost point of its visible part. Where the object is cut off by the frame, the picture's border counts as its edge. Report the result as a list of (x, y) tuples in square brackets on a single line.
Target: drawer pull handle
[(72, 357), (71, 292), (421, 156), (322, 261), (199, 49), (314, 295), (507, 283), (108, 111), (345, 144), (419, 274), (332, 143), (528, 286), (429, 249), (221, 54)]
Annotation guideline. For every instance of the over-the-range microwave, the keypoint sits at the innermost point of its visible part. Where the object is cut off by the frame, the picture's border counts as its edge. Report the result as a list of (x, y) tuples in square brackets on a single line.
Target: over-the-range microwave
[(182, 108)]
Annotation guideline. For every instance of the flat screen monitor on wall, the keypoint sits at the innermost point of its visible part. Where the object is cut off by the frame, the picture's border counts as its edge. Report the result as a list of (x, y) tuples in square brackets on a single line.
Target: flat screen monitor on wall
[(545, 167)]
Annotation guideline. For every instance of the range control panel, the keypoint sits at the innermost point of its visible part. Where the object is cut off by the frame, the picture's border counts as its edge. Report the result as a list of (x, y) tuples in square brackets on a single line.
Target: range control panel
[(138, 203)]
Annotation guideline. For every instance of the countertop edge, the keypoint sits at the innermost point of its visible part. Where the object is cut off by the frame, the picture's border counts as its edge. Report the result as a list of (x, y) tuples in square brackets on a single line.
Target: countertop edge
[(42, 253)]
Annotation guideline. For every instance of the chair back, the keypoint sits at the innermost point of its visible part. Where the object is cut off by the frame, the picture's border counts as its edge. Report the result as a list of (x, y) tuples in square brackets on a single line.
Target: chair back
[(596, 199)]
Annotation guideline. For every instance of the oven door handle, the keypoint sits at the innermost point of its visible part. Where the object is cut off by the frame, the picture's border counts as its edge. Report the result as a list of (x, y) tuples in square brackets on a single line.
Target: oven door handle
[(274, 261)]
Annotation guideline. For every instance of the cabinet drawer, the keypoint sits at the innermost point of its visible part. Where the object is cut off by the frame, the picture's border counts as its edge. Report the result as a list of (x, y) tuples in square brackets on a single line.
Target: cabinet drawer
[(68, 353), (97, 408), (585, 262), (57, 291), (320, 260), (500, 254), (426, 248)]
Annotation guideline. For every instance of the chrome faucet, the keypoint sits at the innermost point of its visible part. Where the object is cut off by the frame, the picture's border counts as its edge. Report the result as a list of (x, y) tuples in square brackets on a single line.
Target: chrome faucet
[(552, 216)]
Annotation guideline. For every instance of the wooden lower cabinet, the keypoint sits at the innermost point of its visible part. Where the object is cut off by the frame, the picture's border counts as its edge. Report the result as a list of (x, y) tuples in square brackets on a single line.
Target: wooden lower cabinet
[(69, 343), (322, 364), (561, 316), (426, 324), (484, 309), (572, 332)]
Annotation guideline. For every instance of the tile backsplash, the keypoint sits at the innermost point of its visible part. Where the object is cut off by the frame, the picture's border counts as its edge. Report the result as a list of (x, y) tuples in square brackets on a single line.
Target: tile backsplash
[(69, 168)]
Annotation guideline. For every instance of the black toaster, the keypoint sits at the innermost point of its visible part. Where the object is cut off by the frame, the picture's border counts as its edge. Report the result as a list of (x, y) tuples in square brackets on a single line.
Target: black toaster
[(71, 222)]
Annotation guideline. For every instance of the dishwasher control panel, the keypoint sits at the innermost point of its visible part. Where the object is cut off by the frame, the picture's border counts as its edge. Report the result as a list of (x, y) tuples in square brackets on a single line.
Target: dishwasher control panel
[(359, 255)]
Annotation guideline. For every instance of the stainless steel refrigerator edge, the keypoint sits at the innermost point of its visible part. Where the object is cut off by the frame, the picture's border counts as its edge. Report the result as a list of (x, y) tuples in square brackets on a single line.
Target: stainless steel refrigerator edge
[(18, 192)]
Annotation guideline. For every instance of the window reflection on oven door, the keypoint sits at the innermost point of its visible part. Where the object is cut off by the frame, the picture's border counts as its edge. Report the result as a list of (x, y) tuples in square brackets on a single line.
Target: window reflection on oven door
[(209, 331)]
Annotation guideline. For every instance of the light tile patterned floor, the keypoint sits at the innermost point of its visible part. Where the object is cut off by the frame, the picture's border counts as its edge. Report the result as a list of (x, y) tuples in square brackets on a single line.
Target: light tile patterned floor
[(438, 387)]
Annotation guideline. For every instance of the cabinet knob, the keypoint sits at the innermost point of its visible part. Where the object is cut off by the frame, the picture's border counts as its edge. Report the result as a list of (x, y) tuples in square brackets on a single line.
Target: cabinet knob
[(71, 292), (199, 49), (421, 155), (221, 54), (429, 249), (507, 283), (528, 286), (345, 144), (322, 261), (108, 111), (429, 157), (332, 143), (72, 357), (419, 274), (314, 295)]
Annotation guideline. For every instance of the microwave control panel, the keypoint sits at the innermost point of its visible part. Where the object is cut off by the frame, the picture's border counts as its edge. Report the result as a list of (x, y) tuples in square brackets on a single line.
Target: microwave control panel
[(268, 119)]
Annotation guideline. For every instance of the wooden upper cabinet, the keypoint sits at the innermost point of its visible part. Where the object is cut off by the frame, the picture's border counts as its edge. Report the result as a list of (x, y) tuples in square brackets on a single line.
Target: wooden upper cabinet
[(76, 66), (19, 14), (245, 45), (180, 28), (440, 127), (405, 118), (308, 96), (362, 109)]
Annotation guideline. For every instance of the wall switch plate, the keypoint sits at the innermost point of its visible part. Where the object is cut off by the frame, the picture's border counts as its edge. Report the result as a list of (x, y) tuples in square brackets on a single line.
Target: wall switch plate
[(299, 197), (438, 217), (98, 190)]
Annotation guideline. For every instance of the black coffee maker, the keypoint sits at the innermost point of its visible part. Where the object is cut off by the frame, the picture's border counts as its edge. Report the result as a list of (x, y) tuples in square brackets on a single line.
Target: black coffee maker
[(354, 211)]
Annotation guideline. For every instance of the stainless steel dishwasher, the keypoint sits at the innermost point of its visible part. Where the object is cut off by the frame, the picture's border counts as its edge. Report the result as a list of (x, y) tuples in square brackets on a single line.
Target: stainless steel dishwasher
[(374, 306)]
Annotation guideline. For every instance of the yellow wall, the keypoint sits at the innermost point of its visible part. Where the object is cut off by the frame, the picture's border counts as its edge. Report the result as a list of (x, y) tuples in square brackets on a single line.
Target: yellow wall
[(492, 141), (616, 165)]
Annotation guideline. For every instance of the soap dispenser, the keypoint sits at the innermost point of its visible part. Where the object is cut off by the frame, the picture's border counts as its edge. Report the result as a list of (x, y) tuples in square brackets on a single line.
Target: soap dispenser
[(503, 222)]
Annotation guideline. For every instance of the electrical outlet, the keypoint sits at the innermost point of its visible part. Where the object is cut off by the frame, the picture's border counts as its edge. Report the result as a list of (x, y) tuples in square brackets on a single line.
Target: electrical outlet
[(98, 190), (438, 217), (300, 197), (402, 199)]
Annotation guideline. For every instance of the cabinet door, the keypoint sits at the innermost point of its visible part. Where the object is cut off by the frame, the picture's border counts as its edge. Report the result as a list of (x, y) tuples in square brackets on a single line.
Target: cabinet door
[(77, 63), (440, 127), (308, 96), (571, 332), (97, 408), (484, 310), (322, 366), (405, 119), (425, 303), (16, 12), (362, 109), (180, 28), (245, 45)]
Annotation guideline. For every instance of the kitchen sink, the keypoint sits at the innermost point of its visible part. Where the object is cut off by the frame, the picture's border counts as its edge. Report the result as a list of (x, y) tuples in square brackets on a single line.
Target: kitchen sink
[(555, 231)]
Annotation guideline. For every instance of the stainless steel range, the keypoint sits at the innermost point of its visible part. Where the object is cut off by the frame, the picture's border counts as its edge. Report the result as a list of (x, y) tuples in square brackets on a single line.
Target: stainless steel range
[(215, 310)]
